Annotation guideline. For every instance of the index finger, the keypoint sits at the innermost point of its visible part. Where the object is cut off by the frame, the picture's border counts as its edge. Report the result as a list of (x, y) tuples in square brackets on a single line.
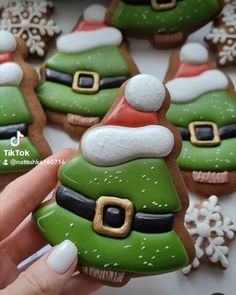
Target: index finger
[(23, 195)]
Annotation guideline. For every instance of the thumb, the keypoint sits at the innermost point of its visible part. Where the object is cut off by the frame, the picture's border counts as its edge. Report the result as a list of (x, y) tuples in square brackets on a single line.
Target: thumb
[(49, 275)]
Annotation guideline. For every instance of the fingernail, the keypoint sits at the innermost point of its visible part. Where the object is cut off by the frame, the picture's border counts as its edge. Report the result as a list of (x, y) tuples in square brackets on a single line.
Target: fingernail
[(62, 257)]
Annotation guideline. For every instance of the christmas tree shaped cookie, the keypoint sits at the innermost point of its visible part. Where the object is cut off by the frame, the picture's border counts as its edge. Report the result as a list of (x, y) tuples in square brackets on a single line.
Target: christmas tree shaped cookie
[(204, 109), (166, 23), (21, 116), (82, 80), (122, 200)]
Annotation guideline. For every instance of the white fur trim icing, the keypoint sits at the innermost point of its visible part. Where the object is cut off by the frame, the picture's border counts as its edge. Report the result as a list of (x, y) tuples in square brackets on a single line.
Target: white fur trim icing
[(81, 41), (189, 89), (95, 13), (194, 53), (112, 145), (145, 93), (11, 74), (7, 42)]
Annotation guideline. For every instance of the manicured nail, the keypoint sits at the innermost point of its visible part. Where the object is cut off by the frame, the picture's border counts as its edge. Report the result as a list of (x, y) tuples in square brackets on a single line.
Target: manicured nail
[(62, 257)]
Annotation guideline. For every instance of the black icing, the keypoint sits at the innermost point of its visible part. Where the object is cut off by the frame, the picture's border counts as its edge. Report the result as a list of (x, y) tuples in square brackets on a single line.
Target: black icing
[(86, 81), (58, 77), (228, 131), (204, 132), (113, 216), (153, 223), (112, 82), (7, 132)]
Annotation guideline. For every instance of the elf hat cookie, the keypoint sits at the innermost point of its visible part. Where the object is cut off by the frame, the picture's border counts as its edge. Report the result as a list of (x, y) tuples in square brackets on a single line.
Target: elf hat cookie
[(82, 80), (203, 107), (124, 192), (22, 119), (166, 23), (211, 233)]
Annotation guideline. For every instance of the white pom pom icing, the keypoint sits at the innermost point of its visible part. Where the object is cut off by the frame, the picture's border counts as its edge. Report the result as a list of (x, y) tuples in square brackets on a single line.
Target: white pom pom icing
[(145, 93), (82, 41), (194, 53), (95, 13), (7, 42), (112, 145), (11, 74)]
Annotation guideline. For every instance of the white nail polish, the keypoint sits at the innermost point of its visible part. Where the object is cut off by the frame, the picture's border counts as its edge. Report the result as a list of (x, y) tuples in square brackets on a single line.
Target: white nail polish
[(62, 257)]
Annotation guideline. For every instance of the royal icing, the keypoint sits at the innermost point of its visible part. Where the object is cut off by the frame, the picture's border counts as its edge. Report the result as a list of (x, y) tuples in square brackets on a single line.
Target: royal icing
[(224, 34), (145, 93), (112, 145), (194, 53), (211, 177), (188, 89), (11, 74), (82, 41), (29, 21), (210, 231), (7, 42), (95, 13)]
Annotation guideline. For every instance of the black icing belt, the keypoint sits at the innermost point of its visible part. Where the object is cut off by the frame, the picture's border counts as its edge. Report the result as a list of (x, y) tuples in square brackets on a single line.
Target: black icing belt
[(113, 216), (146, 2), (7, 132), (66, 79), (205, 133)]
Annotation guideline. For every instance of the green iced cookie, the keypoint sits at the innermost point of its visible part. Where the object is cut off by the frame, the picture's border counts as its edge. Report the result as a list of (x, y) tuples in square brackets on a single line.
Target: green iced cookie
[(186, 15), (139, 252), (145, 182)]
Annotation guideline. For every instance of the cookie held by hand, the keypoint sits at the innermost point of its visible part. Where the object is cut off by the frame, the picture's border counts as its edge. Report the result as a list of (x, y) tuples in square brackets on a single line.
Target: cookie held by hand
[(22, 119), (165, 23), (203, 107), (122, 199), (82, 80)]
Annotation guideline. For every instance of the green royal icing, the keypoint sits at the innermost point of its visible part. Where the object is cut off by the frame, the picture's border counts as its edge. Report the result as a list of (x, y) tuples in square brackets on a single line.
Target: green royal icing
[(186, 15), (219, 158), (139, 252), (215, 106), (17, 167), (61, 98), (146, 182), (13, 108), (106, 61)]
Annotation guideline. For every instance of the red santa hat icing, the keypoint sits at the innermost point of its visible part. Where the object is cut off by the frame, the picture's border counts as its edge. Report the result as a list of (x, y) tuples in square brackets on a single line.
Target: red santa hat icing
[(193, 77), (193, 60), (7, 46), (108, 145), (91, 32)]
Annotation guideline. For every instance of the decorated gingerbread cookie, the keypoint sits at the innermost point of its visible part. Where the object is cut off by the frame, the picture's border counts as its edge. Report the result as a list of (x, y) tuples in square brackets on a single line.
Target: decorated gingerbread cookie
[(223, 35), (211, 233), (122, 199), (167, 23), (22, 119), (82, 80), (203, 107), (30, 21)]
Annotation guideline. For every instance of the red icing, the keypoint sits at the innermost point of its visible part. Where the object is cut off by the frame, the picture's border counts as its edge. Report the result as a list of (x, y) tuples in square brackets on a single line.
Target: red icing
[(84, 25), (189, 70), (6, 57), (125, 115)]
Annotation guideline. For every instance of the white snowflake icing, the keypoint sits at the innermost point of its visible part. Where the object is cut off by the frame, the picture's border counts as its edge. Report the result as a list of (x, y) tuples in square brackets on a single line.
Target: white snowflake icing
[(25, 19), (221, 35), (210, 232)]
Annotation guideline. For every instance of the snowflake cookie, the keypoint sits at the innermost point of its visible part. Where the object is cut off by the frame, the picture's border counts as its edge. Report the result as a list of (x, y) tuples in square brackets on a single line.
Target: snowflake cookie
[(29, 20), (211, 233), (223, 35)]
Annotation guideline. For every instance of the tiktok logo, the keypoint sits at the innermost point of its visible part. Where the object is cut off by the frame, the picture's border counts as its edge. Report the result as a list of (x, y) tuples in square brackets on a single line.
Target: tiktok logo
[(16, 140)]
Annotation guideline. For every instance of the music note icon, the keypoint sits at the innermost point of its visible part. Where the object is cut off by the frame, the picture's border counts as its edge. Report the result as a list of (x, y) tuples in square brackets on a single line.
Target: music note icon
[(16, 140)]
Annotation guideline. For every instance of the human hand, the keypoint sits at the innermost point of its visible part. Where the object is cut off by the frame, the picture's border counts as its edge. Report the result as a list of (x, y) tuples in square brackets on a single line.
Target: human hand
[(51, 274)]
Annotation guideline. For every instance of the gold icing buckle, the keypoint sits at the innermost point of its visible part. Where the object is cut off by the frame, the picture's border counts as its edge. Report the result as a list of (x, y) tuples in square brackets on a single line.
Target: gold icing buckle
[(163, 6), (193, 134), (86, 89), (98, 222)]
